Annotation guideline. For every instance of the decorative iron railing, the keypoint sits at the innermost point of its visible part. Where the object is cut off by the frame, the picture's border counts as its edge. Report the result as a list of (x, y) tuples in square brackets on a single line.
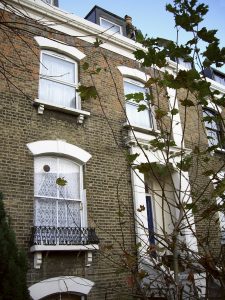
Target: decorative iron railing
[(49, 235)]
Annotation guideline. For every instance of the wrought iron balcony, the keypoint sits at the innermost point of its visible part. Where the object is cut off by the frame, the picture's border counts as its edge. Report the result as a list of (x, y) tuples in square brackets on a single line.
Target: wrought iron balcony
[(49, 235)]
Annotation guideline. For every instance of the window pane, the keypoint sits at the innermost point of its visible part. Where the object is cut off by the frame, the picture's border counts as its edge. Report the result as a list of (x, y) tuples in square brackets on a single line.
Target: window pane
[(57, 93), (45, 212), (113, 27), (140, 118), (57, 68), (69, 213), (71, 173), (213, 140), (130, 88), (45, 177)]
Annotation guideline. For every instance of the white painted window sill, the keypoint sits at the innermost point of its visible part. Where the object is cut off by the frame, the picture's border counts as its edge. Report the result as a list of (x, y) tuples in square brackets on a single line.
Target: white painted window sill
[(141, 129), (81, 114), (40, 248)]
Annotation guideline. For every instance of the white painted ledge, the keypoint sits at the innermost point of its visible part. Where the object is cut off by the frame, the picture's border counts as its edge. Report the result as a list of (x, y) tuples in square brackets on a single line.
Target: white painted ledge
[(133, 73), (62, 284), (150, 131), (39, 249), (42, 248), (74, 111)]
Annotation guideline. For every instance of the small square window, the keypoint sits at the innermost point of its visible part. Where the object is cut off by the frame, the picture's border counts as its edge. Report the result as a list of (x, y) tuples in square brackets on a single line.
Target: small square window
[(115, 28)]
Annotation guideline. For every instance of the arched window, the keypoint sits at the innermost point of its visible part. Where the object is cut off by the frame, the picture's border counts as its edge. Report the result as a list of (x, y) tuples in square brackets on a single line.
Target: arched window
[(58, 80), (60, 210), (57, 205)]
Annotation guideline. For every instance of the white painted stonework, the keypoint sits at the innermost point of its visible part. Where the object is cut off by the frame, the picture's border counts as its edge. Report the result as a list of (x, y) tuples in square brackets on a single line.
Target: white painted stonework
[(56, 46), (133, 73), (56, 285), (59, 147)]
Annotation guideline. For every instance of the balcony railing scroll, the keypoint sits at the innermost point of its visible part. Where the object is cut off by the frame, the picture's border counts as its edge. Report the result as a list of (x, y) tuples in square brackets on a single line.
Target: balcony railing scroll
[(49, 235)]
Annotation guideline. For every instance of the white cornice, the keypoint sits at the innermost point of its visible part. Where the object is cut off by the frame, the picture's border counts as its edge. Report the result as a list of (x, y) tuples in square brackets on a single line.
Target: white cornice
[(76, 26), (216, 86)]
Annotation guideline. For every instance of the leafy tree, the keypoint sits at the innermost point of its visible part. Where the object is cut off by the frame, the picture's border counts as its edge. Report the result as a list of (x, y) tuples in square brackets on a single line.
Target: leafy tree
[(12, 262)]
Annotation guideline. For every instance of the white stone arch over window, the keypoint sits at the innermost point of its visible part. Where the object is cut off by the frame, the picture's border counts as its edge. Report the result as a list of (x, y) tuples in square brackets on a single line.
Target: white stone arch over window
[(45, 43), (64, 284), (59, 148), (133, 73)]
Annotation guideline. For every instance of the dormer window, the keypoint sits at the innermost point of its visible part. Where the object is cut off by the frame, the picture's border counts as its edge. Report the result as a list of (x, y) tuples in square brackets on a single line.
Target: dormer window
[(113, 27)]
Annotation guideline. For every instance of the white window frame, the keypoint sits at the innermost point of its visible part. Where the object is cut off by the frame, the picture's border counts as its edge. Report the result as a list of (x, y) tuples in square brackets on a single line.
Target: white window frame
[(113, 24), (149, 109), (218, 131), (221, 175), (57, 80), (82, 199)]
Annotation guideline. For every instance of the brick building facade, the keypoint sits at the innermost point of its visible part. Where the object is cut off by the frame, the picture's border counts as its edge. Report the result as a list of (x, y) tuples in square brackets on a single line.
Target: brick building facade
[(76, 237)]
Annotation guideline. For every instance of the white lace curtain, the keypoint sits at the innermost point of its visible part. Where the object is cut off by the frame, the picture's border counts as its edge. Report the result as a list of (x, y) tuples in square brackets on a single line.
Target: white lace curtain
[(56, 205)]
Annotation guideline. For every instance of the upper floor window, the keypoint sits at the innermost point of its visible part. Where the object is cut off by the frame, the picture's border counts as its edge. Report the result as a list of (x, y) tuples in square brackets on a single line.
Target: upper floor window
[(58, 80), (115, 28), (137, 118), (213, 128)]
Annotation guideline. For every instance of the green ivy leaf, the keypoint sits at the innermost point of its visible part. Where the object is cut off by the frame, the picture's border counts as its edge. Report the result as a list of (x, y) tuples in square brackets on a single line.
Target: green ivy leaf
[(61, 181), (131, 157), (98, 42), (187, 103), (174, 111), (160, 113), (87, 92), (207, 35), (85, 66), (142, 107), (192, 207), (185, 163)]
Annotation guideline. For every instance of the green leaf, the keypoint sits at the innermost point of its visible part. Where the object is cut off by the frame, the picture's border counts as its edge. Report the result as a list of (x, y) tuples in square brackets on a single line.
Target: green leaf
[(85, 66), (136, 97), (207, 35), (192, 206), (131, 157), (174, 111), (142, 107), (61, 181), (160, 113), (98, 42), (187, 102), (87, 92), (185, 163)]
